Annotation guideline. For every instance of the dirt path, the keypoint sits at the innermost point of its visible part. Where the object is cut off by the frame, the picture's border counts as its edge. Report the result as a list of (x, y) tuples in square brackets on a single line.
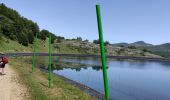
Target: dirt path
[(10, 87)]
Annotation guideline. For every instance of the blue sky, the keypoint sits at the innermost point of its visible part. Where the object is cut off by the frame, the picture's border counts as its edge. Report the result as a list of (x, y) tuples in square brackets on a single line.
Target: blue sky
[(123, 20)]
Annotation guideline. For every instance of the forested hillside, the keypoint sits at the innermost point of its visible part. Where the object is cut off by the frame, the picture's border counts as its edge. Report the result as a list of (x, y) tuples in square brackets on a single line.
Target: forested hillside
[(16, 27)]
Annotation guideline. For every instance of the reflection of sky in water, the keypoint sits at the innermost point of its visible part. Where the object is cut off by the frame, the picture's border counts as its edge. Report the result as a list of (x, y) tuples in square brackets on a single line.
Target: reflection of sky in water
[(128, 80)]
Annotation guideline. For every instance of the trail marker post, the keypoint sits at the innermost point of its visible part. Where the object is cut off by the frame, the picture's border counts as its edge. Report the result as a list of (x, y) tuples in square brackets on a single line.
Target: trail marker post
[(103, 56), (8, 50)]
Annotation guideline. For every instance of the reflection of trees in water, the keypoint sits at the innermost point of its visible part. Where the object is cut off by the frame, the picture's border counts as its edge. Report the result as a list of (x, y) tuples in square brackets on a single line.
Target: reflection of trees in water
[(98, 68), (142, 63), (129, 63), (79, 60), (59, 68), (84, 67), (78, 69), (138, 64), (165, 64)]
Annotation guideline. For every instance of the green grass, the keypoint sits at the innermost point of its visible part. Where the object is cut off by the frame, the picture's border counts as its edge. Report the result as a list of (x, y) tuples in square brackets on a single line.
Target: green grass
[(64, 49), (67, 49), (37, 84), (15, 47)]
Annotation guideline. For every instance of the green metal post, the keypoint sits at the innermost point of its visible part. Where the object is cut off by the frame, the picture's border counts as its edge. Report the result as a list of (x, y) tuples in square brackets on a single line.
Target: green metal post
[(21, 54), (103, 56), (33, 57), (49, 65), (8, 51)]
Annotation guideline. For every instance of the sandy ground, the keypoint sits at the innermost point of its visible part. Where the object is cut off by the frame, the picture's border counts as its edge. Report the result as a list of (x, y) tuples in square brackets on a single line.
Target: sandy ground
[(10, 87)]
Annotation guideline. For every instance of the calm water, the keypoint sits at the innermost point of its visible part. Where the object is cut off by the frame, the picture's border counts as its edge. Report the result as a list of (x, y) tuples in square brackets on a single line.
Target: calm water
[(128, 80)]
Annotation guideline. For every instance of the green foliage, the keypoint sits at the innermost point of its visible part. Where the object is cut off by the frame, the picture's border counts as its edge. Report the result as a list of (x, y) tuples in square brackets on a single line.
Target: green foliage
[(30, 38), (17, 27), (73, 39), (22, 39), (20, 29), (0, 33), (121, 45), (86, 40), (142, 54), (131, 47), (144, 50), (53, 38), (106, 43), (96, 41), (45, 33), (79, 39), (60, 37), (58, 40)]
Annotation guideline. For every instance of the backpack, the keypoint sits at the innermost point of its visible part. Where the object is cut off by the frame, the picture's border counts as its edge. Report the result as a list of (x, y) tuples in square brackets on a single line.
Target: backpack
[(5, 60)]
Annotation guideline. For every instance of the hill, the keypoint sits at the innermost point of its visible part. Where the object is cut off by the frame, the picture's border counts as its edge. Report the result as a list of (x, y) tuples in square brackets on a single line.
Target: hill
[(18, 28), (137, 44), (140, 43), (121, 44), (162, 49), (165, 46), (18, 33), (84, 47)]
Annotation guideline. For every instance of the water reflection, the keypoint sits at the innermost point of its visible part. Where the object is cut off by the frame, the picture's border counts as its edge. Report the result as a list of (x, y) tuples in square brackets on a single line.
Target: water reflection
[(128, 79)]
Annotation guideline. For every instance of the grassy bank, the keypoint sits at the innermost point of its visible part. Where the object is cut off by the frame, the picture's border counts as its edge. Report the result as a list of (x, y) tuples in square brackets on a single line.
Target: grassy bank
[(37, 84)]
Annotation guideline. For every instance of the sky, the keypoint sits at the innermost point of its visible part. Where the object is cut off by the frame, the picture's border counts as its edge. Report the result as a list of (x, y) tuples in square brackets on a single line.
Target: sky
[(122, 20)]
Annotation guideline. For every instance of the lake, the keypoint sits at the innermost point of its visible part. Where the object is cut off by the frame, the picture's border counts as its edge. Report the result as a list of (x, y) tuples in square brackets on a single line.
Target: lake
[(128, 79)]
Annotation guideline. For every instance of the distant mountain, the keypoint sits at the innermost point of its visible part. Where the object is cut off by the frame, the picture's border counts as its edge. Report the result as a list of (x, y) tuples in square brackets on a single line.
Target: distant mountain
[(140, 43), (162, 49), (137, 44), (164, 46), (121, 44)]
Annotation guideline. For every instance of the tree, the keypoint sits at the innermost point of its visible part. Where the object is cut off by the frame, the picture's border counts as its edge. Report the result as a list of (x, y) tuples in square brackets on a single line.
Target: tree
[(60, 37), (22, 39), (144, 50), (106, 43), (131, 47), (86, 40), (16, 27), (30, 38), (121, 45), (96, 41), (53, 38), (79, 39), (58, 40), (43, 34), (0, 33)]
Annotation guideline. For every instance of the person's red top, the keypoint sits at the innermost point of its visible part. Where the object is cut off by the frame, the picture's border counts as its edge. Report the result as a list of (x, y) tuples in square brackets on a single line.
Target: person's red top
[(5, 60)]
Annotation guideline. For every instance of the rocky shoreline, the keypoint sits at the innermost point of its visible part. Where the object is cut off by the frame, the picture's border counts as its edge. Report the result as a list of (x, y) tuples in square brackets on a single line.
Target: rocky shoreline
[(83, 87)]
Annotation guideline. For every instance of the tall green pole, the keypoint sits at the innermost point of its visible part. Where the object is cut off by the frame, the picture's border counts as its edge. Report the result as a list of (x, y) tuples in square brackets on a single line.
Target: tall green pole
[(21, 54), (49, 65), (33, 57), (8, 51), (103, 56)]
